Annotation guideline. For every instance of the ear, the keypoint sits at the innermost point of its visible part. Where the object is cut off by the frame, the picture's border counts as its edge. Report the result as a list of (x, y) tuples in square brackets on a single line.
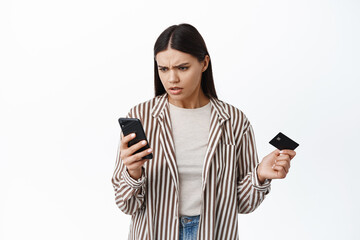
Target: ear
[(206, 63)]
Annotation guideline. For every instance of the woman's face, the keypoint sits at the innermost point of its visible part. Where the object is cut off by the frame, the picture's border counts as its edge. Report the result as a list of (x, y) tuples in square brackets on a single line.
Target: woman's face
[(182, 71)]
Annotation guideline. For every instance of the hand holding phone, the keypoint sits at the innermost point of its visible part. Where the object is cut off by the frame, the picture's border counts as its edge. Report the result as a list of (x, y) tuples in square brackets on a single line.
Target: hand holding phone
[(133, 125), (134, 150)]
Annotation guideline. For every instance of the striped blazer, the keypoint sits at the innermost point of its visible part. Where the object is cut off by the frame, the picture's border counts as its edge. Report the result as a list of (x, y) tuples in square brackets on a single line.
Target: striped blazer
[(229, 179)]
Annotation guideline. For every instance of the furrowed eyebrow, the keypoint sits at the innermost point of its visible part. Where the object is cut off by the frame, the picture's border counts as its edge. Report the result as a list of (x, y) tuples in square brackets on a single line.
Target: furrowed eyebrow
[(180, 65)]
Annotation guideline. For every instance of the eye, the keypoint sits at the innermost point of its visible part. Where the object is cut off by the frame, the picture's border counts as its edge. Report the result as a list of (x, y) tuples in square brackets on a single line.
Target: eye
[(162, 69), (183, 68)]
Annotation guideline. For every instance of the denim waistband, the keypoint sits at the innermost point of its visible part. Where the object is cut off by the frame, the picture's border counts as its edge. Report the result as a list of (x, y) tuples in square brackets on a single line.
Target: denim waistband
[(189, 221)]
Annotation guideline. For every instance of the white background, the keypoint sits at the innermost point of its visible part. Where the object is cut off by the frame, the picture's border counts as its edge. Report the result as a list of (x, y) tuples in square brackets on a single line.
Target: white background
[(69, 69)]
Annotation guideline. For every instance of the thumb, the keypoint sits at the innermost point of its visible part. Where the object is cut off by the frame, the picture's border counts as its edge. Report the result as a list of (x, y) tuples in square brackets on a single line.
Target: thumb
[(276, 152)]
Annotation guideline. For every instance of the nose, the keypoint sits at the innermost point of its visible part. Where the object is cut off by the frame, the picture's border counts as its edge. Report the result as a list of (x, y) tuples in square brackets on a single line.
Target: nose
[(173, 77)]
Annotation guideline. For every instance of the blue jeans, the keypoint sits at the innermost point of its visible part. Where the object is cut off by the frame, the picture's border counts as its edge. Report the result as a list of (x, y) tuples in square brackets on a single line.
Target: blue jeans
[(188, 227)]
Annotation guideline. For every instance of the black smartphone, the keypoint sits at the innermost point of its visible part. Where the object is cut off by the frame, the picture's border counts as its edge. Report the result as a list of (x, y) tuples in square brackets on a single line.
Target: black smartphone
[(133, 125)]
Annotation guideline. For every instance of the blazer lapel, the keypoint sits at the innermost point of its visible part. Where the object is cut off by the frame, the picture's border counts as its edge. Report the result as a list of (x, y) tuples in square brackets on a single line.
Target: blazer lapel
[(161, 112), (217, 117)]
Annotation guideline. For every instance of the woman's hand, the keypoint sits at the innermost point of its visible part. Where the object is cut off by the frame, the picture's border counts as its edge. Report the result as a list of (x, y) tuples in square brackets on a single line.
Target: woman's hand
[(133, 161), (275, 165)]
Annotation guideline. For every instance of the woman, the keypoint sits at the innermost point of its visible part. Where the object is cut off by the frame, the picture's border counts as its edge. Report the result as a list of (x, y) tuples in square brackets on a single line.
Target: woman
[(205, 166)]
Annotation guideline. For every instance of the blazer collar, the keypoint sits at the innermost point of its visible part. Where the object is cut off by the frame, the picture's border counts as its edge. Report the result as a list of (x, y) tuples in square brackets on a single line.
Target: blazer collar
[(162, 102)]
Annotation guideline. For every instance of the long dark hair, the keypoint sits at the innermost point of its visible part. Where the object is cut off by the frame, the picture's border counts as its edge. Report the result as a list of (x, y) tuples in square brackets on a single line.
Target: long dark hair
[(185, 38)]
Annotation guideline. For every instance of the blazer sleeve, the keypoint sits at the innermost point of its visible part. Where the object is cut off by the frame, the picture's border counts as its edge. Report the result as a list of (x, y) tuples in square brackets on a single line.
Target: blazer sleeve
[(129, 193), (250, 193)]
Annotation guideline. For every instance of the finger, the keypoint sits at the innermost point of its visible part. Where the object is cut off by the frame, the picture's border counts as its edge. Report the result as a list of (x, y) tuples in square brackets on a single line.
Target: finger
[(285, 164), (285, 157), (290, 152), (129, 153), (140, 155), (125, 140), (278, 167), (136, 147), (280, 171), (276, 152)]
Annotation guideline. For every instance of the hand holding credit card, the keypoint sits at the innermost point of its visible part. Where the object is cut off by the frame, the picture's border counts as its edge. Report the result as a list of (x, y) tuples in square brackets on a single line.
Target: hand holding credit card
[(275, 165)]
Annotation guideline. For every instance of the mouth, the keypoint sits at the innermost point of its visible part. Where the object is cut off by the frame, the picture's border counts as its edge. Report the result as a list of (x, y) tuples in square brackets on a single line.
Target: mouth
[(175, 90)]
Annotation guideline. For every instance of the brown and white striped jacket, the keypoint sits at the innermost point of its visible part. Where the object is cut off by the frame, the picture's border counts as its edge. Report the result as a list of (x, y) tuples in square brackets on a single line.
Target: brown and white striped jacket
[(229, 181)]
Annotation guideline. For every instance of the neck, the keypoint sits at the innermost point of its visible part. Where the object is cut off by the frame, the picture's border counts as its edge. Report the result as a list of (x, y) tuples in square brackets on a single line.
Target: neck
[(191, 102)]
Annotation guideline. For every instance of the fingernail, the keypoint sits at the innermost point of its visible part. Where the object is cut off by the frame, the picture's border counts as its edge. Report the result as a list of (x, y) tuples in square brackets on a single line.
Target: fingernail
[(133, 135), (281, 151), (150, 150), (143, 142), (273, 166)]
